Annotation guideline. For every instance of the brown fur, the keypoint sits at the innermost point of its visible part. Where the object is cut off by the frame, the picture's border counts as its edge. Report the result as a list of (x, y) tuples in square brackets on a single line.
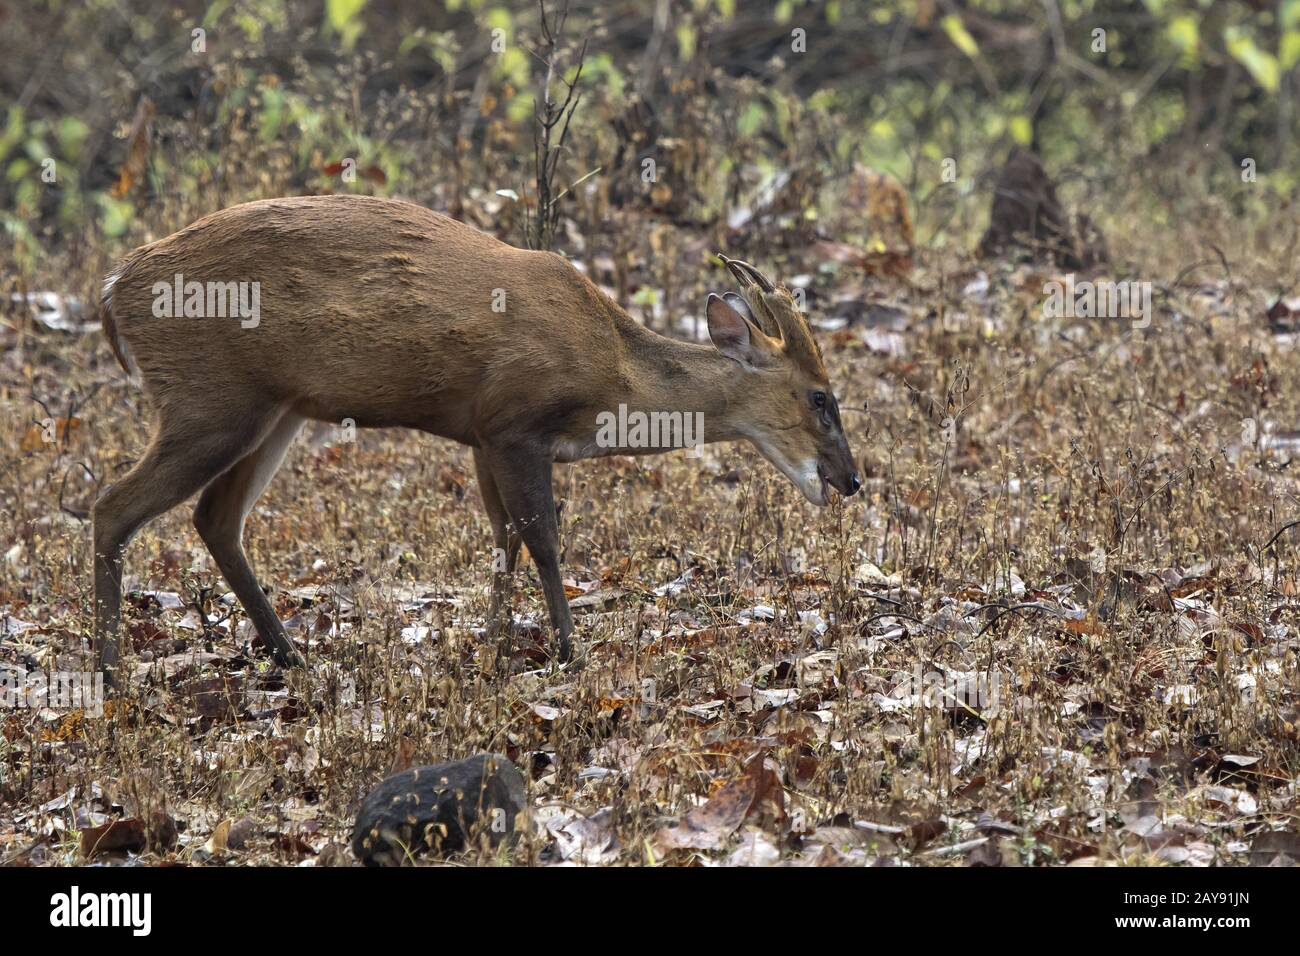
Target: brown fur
[(110, 330)]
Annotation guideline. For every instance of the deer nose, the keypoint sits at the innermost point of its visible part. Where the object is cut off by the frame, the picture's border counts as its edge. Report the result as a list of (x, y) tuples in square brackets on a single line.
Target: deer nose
[(854, 484)]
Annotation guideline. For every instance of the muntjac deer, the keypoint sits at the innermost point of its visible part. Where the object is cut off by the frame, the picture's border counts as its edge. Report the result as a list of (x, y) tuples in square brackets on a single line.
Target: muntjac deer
[(256, 318)]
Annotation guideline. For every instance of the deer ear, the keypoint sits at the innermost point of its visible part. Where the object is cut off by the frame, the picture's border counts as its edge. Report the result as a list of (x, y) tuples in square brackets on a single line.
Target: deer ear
[(739, 304), (730, 331)]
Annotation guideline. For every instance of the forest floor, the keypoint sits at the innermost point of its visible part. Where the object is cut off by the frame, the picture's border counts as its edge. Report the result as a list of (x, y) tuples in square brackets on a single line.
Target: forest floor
[(1051, 629)]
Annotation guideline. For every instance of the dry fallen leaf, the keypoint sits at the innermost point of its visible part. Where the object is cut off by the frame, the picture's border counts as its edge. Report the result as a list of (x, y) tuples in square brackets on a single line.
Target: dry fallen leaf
[(44, 435), (220, 835), (757, 791), (137, 149)]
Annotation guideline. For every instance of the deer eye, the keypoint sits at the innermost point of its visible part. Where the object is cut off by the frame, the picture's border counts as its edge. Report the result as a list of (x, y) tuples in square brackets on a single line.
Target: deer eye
[(819, 400)]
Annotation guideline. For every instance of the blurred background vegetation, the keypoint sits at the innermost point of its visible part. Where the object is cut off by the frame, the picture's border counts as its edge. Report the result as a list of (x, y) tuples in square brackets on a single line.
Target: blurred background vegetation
[(156, 113)]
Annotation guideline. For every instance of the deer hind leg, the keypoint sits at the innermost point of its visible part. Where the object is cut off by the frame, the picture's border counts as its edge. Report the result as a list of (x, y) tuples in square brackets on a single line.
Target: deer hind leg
[(185, 455), (504, 537), (219, 517)]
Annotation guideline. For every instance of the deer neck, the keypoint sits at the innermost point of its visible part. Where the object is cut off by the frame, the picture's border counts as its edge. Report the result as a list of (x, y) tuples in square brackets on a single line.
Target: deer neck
[(669, 376)]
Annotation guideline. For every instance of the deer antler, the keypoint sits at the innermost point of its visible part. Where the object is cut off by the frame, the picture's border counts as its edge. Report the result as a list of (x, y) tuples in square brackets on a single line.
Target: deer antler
[(746, 274)]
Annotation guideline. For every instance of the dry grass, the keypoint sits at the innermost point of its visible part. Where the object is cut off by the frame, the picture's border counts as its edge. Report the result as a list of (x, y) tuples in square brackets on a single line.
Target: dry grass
[(1096, 472)]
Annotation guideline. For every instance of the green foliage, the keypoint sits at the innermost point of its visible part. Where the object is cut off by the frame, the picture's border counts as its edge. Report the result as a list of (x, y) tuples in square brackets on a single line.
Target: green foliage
[(344, 18), (960, 37), (1262, 65), (941, 83)]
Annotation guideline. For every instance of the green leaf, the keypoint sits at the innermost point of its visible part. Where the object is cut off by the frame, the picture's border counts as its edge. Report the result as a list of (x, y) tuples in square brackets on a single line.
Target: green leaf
[(1022, 131), (521, 107), (602, 70), (13, 131), (1262, 66), (272, 116), (686, 40), (114, 215), (214, 13), (341, 12), (959, 35), (251, 26), (36, 149), (27, 195), (513, 65), (1288, 14), (1184, 33), (409, 42), (752, 119), (882, 129), (72, 133), (1288, 53), (1288, 47)]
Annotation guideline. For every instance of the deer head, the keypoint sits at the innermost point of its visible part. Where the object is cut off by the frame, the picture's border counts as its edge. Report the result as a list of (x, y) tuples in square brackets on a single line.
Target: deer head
[(788, 409)]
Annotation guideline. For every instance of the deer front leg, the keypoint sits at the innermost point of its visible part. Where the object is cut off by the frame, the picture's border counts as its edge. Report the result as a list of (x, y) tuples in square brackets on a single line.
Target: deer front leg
[(522, 476)]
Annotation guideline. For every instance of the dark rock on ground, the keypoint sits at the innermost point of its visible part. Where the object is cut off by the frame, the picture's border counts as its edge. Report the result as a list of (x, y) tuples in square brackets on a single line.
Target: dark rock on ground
[(439, 809)]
